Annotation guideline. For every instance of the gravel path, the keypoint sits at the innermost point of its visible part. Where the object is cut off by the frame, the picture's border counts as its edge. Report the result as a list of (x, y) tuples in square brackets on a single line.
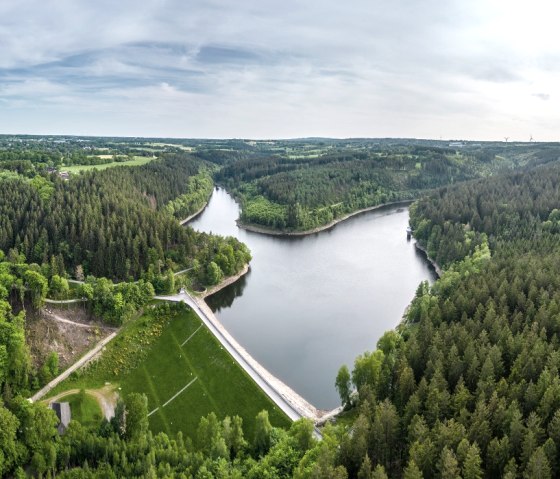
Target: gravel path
[(64, 301), (56, 317), (106, 398)]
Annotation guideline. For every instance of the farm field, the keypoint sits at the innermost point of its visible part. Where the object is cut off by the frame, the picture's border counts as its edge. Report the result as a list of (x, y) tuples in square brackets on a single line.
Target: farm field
[(138, 160), (184, 372)]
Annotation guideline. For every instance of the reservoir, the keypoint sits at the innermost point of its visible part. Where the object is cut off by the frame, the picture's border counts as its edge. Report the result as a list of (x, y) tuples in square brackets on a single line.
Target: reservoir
[(312, 303)]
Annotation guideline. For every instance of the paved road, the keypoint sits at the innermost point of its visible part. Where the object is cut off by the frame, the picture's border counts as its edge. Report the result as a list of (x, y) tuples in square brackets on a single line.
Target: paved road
[(183, 271), (65, 301), (286, 399)]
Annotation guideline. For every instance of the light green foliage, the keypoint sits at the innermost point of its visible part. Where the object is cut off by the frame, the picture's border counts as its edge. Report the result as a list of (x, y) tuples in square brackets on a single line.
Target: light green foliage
[(38, 287), (367, 369), (472, 464), (302, 432), (263, 431), (43, 186), (199, 188), (412, 471), (448, 466), (538, 466), (8, 441), (379, 473), (136, 419), (213, 274), (388, 342), (58, 287), (343, 384), (115, 303), (366, 471)]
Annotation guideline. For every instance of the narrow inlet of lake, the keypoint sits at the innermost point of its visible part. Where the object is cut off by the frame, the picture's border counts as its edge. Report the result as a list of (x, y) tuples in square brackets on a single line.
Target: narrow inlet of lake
[(312, 303)]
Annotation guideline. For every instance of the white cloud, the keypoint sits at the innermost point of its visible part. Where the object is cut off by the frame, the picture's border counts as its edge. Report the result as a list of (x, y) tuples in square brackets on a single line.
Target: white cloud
[(478, 69)]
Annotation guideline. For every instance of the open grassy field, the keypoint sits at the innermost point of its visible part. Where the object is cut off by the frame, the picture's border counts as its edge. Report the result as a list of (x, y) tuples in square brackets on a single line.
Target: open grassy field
[(85, 409), (183, 371), (138, 160)]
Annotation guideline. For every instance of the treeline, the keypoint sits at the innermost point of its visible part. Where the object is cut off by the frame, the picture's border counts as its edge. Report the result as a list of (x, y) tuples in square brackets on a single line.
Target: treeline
[(300, 192), (123, 447), (516, 208), (197, 192), (110, 223)]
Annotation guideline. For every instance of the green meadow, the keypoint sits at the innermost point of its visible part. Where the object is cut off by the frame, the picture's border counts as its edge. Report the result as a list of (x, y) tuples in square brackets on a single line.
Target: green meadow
[(85, 409), (182, 369), (137, 161)]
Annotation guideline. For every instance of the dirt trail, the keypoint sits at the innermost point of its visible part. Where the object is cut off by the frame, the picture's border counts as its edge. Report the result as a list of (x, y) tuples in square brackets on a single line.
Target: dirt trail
[(78, 364), (56, 317), (106, 398)]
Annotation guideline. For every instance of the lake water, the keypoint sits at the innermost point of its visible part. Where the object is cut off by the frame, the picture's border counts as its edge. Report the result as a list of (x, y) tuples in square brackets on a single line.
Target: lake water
[(310, 304)]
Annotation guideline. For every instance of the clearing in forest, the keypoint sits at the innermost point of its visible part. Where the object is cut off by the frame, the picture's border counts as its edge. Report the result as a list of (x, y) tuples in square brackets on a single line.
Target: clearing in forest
[(138, 160)]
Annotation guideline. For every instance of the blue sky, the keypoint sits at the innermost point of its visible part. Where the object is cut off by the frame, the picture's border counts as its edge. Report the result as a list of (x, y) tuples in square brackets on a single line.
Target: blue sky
[(481, 69)]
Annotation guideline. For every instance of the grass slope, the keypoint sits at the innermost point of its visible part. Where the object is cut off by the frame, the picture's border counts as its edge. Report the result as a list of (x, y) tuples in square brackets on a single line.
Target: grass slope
[(220, 386), (85, 409), (148, 357)]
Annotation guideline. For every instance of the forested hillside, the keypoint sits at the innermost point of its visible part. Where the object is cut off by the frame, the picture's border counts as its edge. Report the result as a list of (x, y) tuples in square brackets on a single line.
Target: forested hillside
[(115, 222), (469, 387), (294, 188)]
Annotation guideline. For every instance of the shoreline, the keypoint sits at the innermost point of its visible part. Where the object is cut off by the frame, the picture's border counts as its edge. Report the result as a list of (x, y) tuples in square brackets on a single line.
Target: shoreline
[(438, 272), (195, 214), (223, 284), (436, 266), (271, 232), (319, 416)]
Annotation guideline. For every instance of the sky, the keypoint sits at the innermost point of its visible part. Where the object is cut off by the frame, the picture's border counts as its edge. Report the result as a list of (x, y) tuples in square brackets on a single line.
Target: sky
[(450, 69)]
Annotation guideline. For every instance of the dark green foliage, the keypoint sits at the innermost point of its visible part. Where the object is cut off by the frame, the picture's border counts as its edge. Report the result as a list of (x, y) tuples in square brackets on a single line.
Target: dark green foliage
[(474, 377), (343, 384), (113, 223), (468, 387), (290, 191)]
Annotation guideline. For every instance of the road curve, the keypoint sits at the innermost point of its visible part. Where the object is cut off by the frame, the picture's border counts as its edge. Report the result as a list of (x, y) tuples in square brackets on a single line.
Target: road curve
[(284, 397), (77, 365)]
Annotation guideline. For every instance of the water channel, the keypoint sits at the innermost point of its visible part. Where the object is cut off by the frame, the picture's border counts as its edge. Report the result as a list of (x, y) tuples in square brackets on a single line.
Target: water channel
[(310, 304)]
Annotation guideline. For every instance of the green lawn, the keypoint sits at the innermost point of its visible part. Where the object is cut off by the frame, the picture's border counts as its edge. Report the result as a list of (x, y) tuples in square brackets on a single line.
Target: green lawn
[(138, 160), (147, 357), (220, 385), (85, 409)]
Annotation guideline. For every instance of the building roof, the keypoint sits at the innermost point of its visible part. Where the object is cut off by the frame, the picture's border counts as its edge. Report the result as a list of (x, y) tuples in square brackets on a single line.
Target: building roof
[(62, 410)]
